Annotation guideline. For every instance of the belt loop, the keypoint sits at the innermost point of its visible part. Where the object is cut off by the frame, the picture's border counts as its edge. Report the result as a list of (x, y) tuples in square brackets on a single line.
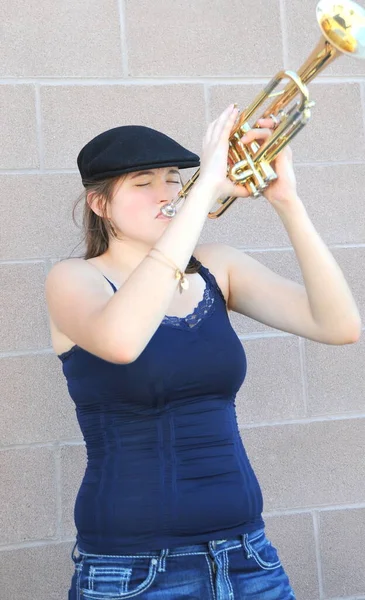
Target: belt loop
[(246, 545), (162, 561)]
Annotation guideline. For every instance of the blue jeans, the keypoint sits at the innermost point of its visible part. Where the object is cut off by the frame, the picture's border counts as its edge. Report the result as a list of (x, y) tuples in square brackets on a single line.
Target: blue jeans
[(246, 566)]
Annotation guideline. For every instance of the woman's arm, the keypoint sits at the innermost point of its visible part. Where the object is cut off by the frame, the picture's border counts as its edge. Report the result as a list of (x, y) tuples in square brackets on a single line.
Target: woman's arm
[(322, 310)]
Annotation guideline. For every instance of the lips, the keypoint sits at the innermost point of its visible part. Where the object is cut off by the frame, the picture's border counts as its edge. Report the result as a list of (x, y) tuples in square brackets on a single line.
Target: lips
[(162, 216)]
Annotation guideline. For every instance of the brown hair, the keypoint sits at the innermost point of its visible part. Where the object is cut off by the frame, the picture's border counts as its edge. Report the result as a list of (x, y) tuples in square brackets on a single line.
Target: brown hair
[(97, 229)]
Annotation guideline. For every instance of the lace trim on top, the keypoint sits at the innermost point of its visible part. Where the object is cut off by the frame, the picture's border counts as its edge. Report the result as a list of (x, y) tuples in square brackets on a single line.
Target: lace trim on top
[(203, 308), (199, 312)]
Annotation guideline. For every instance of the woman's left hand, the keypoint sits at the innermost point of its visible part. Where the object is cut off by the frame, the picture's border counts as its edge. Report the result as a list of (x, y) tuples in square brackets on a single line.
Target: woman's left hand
[(281, 191)]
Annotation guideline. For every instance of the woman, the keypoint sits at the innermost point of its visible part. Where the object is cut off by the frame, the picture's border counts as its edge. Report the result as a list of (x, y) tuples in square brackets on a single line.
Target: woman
[(169, 506)]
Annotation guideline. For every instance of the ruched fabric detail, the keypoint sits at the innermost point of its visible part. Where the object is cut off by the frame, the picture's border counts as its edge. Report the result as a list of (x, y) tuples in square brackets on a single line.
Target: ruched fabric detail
[(166, 465)]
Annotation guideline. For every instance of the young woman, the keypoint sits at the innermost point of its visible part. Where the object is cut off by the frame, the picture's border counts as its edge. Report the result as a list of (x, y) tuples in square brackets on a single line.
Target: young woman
[(169, 506)]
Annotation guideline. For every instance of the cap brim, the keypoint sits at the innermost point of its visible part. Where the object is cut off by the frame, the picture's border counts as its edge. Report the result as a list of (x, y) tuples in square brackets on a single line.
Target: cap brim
[(143, 167)]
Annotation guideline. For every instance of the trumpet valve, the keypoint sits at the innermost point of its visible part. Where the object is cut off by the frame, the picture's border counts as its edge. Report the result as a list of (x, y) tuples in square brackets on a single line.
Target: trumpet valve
[(239, 172), (253, 190)]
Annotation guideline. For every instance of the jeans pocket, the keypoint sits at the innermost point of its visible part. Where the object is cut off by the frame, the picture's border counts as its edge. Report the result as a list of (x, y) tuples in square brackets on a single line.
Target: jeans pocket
[(111, 579), (262, 551)]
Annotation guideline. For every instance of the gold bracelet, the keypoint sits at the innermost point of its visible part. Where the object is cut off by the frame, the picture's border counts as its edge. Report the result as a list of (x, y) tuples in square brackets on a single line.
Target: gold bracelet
[(183, 282)]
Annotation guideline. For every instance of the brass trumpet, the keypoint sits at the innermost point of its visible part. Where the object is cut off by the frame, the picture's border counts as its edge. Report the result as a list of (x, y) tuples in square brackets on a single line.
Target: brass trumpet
[(343, 28)]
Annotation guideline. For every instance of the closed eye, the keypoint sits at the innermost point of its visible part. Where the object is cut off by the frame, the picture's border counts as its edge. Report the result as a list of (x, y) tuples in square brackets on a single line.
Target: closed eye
[(143, 184)]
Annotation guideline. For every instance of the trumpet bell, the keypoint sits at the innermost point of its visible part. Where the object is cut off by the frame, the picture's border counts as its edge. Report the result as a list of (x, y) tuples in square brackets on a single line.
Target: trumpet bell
[(343, 32), (343, 26)]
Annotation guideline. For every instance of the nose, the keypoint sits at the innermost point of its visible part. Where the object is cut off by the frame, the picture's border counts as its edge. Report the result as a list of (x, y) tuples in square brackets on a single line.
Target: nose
[(164, 193)]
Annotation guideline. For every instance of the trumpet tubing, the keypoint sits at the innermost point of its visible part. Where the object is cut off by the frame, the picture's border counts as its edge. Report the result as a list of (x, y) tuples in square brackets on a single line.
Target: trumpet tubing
[(343, 32)]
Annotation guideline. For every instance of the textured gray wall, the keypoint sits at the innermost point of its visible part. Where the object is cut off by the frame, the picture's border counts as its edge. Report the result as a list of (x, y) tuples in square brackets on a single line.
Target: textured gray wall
[(70, 70)]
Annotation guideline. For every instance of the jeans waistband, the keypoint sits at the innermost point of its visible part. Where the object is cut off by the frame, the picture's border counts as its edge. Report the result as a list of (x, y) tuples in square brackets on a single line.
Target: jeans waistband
[(203, 547)]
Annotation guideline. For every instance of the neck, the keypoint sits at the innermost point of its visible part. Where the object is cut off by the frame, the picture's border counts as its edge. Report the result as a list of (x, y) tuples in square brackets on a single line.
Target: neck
[(125, 255)]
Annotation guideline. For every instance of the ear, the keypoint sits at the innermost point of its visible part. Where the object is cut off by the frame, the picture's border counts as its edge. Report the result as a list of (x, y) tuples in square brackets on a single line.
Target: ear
[(93, 200)]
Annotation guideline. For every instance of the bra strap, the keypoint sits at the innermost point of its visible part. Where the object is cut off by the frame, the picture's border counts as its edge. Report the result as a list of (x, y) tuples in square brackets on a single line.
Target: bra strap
[(112, 284)]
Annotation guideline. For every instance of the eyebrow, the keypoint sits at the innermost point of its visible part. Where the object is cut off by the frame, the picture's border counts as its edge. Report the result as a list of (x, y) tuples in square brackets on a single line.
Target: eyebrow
[(140, 173)]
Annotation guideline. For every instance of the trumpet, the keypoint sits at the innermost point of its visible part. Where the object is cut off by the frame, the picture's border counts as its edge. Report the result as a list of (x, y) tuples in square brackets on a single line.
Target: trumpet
[(343, 32)]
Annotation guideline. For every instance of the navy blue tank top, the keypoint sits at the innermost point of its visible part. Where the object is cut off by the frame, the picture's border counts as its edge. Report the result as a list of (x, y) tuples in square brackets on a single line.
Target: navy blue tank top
[(165, 461)]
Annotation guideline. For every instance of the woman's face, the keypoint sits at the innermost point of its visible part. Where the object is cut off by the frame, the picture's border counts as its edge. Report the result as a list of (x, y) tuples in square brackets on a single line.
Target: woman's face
[(137, 202)]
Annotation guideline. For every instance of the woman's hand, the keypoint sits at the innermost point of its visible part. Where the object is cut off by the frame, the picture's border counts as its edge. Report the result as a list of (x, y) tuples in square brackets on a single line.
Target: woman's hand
[(214, 157), (214, 160), (284, 188)]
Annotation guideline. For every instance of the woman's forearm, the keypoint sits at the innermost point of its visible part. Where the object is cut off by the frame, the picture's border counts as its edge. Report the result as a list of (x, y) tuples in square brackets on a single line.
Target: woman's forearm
[(330, 299), (135, 311)]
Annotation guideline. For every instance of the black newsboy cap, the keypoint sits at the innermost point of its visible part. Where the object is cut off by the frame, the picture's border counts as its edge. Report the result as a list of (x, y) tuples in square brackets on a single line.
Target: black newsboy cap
[(131, 148)]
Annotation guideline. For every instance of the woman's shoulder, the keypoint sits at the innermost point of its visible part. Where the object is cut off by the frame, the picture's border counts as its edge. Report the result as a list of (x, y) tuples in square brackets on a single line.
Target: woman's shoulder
[(214, 254)]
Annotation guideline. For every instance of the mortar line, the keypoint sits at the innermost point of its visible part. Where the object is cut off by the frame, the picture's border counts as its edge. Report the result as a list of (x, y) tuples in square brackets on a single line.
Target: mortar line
[(304, 421), (309, 509), (35, 544), (284, 34), (36, 445), (328, 163), (317, 548), (57, 455), (48, 264), (37, 171), (347, 598), (362, 99), (39, 129), (207, 103), (291, 249), (260, 335), (303, 370), (169, 80), (123, 37)]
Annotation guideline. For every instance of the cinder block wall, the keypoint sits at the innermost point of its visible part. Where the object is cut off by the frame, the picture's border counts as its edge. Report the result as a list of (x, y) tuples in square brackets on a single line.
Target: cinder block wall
[(70, 70)]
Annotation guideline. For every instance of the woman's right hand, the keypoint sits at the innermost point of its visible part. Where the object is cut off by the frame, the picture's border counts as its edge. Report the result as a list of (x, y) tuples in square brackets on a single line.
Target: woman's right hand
[(214, 158)]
